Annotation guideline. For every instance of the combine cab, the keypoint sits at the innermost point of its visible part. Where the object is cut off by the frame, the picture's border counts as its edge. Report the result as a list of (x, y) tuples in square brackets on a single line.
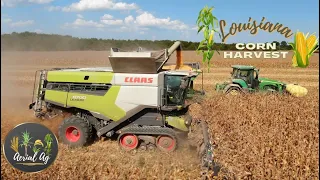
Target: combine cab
[(135, 99), (245, 79)]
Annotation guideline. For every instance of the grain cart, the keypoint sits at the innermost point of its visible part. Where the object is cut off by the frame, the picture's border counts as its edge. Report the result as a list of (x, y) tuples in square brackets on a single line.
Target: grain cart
[(135, 100), (245, 79)]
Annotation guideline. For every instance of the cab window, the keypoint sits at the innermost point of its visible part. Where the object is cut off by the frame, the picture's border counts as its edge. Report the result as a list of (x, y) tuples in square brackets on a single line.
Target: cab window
[(173, 81), (243, 73)]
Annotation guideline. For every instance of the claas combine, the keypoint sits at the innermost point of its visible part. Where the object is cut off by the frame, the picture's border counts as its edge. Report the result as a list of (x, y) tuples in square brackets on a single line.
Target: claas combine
[(138, 99)]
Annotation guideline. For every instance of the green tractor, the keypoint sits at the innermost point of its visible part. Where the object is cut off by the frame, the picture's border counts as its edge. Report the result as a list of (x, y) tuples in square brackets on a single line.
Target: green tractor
[(245, 79)]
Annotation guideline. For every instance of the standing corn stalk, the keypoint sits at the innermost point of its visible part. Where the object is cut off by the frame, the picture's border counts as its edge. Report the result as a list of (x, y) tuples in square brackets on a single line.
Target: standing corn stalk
[(26, 142), (48, 139), (207, 22)]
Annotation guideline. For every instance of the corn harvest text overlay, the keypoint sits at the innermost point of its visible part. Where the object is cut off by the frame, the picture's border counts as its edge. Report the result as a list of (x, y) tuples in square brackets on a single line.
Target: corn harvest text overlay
[(256, 54)]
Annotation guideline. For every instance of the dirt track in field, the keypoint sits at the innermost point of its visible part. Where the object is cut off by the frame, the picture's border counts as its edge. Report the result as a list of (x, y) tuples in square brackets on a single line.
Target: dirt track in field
[(259, 137)]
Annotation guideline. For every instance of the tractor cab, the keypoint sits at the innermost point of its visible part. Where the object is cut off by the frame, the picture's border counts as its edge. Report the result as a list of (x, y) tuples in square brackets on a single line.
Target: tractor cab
[(249, 74)]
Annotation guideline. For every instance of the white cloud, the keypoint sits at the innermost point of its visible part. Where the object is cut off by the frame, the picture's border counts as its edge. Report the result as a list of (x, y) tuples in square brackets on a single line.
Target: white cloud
[(79, 16), (40, 1), (112, 21), (147, 19), (124, 6), (22, 23), (6, 20), (129, 19), (141, 24), (140, 11), (54, 8), (106, 16), (194, 28), (84, 5), (84, 23), (108, 20), (12, 3), (38, 31)]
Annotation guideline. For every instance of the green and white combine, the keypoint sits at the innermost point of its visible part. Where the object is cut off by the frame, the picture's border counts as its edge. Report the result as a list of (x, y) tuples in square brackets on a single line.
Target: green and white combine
[(135, 100)]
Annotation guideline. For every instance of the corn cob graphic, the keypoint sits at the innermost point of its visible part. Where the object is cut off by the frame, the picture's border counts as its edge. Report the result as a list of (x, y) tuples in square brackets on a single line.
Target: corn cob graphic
[(211, 37), (303, 47)]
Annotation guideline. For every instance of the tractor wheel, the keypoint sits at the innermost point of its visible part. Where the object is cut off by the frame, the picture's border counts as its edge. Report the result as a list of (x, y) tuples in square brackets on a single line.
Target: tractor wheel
[(75, 132), (234, 91)]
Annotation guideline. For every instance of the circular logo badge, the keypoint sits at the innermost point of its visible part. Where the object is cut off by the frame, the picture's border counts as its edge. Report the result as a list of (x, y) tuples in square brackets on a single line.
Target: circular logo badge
[(30, 147)]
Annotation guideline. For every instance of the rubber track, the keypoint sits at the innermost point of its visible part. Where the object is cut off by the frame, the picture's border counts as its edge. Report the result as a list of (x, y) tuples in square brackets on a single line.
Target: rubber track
[(148, 130)]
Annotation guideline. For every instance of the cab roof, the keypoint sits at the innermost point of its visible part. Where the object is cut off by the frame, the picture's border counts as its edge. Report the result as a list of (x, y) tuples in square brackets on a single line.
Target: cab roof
[(243, 67)]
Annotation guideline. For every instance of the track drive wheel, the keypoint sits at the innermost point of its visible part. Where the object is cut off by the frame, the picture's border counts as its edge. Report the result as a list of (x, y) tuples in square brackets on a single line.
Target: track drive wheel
[(128, 142), (75, 132), (166, 143)]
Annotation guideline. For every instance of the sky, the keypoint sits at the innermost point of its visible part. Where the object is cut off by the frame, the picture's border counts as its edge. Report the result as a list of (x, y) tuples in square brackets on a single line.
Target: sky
[(155, 20)]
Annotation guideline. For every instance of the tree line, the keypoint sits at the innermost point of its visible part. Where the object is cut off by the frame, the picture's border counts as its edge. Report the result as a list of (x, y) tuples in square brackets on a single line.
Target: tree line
[(29, 41)]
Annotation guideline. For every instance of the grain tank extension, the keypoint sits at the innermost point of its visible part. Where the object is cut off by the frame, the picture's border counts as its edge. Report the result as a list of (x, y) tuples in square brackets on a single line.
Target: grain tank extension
[(135, 99)]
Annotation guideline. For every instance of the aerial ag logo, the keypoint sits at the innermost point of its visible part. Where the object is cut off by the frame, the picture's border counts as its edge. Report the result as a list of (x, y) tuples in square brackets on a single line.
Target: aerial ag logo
[(30, 147)]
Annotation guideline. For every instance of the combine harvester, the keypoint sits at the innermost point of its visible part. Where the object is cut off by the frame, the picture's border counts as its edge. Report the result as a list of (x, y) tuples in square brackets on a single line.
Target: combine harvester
[(137, 99), (245, 79)]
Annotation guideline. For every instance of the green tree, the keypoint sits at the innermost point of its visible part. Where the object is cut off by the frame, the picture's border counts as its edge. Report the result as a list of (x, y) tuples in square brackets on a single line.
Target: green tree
[(277, 44), (283, 43)]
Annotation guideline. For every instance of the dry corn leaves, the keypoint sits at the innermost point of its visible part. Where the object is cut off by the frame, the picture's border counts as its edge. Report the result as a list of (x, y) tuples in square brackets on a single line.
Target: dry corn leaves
[(266, 137)]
